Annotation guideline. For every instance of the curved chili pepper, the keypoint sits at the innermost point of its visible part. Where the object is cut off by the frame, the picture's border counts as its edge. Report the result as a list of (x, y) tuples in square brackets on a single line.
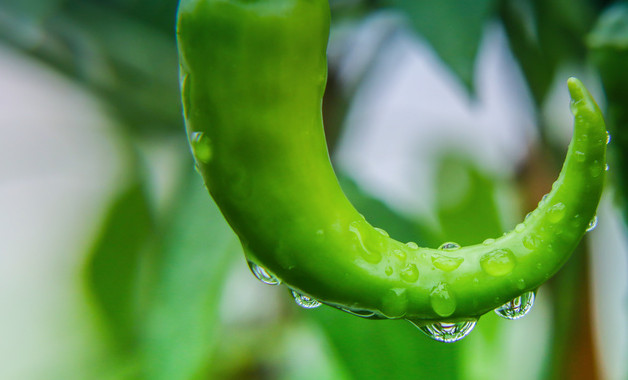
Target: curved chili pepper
[(253, 74)]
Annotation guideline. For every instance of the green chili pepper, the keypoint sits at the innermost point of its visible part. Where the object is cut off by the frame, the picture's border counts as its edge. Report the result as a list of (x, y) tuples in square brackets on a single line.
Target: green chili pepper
[(253, 74)]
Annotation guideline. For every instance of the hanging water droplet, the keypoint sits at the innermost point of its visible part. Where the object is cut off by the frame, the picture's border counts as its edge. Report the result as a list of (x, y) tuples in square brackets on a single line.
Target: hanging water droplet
[(606, 167), (304, 301), (201, 146), (518, 307), (446, 263), (412, 245), (608, 137), (449, 246), (488, 241), (499, 262), (382, 231), (592, 224), (520, 227), (447, 332), (263, 275)]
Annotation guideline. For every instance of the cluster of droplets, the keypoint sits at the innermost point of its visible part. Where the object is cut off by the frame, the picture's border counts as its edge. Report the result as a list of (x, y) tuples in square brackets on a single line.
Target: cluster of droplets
[(498, 262)]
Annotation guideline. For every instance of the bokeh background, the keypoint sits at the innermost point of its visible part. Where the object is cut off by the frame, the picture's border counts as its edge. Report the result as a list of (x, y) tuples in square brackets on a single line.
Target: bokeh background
[(446, 121)]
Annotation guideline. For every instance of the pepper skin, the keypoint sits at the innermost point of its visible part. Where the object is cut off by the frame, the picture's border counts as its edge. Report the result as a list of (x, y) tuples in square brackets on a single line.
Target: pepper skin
[(253, 74)]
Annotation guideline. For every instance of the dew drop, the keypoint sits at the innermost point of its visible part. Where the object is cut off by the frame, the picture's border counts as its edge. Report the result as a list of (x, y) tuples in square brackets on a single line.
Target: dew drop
[(410, 273), (573, 107), (442, 301), (556, 212), (531, 241), (368, 244), (592, 224), (517, 308), (304, 301), (608, 137), (520, 227), (412, 245), (201, 146), (399, 254), (528, 215), (596, 169), (449, 246), (446, 263), (499, 262), (263, 275), (447, 332), (394, 303), (580, 156), (542, 201), (389, 271), (521, 284), (488, 241), (381, 231), (606, 168)]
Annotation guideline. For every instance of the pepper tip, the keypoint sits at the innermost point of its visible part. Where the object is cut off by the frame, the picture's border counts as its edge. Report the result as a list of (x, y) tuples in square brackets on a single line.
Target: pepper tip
[(576, 89)]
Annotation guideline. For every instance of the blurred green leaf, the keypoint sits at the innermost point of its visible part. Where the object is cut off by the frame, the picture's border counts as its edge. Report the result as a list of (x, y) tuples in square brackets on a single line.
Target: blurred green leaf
[(387, 349), (134, 65), (608, 44), (544, 34), (465, 199), (180, 330), (33, 10), (453, 28), (378, 213), (116, 264), (571, 351), (126, 57)]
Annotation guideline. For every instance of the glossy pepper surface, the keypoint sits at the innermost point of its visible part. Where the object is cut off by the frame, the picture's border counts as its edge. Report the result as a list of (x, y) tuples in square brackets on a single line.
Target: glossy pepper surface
[(253, 74)]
